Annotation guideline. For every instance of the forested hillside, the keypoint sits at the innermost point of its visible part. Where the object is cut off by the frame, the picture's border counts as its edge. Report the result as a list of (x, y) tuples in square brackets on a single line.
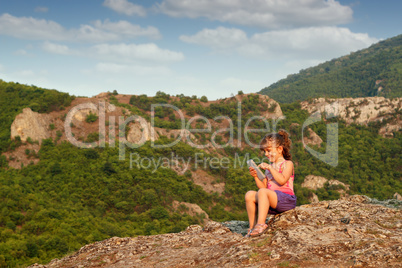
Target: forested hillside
[(14, 97), (375, 71), (75, 196)]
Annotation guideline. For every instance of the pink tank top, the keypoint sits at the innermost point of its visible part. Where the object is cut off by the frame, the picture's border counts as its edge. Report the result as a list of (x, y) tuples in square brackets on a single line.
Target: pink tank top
[(287, 188)]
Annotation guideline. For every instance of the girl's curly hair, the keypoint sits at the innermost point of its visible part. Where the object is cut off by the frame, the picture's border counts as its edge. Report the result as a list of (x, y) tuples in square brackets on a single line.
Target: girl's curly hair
[(281, 138)]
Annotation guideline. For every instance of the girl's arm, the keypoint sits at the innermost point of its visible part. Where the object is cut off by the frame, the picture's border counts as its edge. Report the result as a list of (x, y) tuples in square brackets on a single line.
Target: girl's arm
[(283, 177), (260, 184)]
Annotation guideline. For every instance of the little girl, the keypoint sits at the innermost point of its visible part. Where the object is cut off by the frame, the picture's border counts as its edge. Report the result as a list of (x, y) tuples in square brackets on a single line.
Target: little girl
[(275, 194)]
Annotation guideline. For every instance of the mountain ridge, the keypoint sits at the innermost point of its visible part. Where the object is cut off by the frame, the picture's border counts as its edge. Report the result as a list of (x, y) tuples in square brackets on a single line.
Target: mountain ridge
[(374, 71)]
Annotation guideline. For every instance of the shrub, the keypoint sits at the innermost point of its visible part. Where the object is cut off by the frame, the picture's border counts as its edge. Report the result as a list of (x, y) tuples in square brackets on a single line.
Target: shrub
[(91, 118)]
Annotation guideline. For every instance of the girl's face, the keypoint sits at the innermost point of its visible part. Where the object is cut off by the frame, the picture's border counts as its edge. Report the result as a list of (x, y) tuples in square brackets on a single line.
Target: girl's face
[(273, 152)]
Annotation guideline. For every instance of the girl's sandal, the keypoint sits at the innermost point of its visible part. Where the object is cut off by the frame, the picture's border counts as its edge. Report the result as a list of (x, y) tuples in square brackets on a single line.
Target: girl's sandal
[(259, 229), (249, 232)]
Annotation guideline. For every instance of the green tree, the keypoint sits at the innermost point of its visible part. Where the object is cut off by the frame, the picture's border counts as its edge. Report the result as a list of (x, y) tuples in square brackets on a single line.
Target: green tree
[(204, 99)]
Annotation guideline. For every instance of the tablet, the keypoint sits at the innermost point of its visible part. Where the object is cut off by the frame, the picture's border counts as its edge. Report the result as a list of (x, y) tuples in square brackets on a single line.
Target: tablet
[(252, 164)]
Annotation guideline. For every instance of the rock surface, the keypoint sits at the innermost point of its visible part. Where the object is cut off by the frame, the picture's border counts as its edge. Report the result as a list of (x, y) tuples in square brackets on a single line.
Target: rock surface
[(315, 182), (31, 124), (361, 111), (207, 181), (312, 138), (350, 232), (274, 109), (190, 209), (140, 132), (313, 198)]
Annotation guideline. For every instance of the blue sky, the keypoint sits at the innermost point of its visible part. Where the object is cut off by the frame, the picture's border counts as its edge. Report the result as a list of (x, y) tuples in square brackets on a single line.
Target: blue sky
[(191, 47)]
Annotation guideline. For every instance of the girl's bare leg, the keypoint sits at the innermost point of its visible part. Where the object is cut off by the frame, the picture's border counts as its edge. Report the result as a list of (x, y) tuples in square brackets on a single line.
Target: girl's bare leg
[(251, 207), (266, 198)]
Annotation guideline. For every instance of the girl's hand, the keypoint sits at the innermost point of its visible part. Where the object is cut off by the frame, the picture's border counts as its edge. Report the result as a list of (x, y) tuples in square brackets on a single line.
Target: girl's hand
[(265, 166), (252, 172)]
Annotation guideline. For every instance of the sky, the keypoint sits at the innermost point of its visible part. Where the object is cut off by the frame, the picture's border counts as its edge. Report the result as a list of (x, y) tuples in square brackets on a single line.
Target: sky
[(212, 48)]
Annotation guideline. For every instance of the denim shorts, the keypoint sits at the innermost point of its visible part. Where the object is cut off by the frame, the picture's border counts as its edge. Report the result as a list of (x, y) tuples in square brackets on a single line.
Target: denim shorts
[(285, 202)]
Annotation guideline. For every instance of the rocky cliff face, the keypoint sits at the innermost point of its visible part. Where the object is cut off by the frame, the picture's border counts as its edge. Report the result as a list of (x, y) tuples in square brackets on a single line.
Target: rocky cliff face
[(141, 132), (274, 109), (362, 110), (314, 182), (350, 232), (31, 124), (312, 138), (190, 209)]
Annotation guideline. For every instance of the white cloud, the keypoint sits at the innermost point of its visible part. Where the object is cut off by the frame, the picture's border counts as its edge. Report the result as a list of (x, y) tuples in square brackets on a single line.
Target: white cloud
[(312, 43), (40, 29), (220, 38), (31, 28), (132, 52), (125, 7), (41, 9), (134, 70), (89, 33), (126, 29), (57, 49), (262, 13)]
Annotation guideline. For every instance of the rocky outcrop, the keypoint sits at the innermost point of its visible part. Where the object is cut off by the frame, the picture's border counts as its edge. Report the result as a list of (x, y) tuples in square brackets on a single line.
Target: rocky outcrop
[(314, 182), (140, 132), (349, 232), (311, 138), (82, 114), (389, 128), (336, 182), (207, 181), (313, 198), (274, 109), (190, 209), (31, 124), (361, 110)]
